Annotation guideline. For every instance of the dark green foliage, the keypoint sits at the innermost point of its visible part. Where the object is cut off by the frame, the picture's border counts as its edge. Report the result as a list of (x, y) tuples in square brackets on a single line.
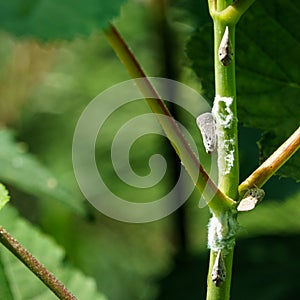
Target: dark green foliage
[(22, 170), (268, 78), (268, 255), (130, 261), (53, 19)]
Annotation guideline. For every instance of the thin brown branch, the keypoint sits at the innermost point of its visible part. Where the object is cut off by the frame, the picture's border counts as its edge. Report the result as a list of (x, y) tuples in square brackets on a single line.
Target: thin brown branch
[(35, 266), (269, 167), (169, 125)]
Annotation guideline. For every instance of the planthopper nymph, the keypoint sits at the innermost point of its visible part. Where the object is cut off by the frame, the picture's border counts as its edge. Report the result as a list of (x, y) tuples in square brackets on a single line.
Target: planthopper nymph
[(218, 273), (206, 124), (251, 199), (225, 49)]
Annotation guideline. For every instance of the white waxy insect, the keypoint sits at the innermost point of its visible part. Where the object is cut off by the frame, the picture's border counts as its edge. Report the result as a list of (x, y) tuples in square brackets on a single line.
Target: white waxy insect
[(206, 124), (218, 273), (251, 199), (225, 49)]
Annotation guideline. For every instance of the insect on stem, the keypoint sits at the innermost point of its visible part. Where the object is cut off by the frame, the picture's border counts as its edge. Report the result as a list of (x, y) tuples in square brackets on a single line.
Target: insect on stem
[(206, 124), (251, 199), (225, 49), (218, 274)]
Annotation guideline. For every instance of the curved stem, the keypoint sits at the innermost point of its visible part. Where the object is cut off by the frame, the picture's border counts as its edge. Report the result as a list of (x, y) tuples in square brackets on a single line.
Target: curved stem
[(35, 266), (270, 166), (218, 201), (212, 6), (229, 14), (233, 12)]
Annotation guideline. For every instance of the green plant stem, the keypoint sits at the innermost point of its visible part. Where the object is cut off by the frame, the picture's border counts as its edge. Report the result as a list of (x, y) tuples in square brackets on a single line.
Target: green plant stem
[(270, 166), (224, 107), (218, 200), (222, 292), (35, 266), (227, 11), (225, 86), (227, 148), (233, 12)]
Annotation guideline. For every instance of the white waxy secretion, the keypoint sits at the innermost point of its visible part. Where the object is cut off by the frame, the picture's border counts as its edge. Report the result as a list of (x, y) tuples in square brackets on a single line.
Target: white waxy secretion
[(251, 199), (218, 273), (225, 49), (206, 124)]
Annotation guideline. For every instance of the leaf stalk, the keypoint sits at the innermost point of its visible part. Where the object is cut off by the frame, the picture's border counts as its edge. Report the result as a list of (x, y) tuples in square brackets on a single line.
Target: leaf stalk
[(270, 166), (218, 200), (35, 266)]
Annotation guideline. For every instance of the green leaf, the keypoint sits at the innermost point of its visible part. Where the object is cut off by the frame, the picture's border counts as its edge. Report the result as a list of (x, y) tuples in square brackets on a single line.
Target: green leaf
[(17, 282), (4, 197), (192, 12), (54, 19), (268, 77), (22, 170)]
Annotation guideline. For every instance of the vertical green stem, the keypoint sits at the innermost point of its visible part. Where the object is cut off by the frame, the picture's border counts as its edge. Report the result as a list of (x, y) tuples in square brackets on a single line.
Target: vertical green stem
[(225, 112), (223, 292), (225, 86)]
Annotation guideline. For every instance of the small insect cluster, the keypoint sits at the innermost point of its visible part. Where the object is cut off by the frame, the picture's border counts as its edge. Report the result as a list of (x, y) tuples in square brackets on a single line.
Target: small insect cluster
[(218, 273), (225, 49), (251, 199), (206, 124)]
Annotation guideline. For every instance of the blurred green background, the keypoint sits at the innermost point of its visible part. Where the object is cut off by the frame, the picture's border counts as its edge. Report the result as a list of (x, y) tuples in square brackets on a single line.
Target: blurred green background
[(44, 88)]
